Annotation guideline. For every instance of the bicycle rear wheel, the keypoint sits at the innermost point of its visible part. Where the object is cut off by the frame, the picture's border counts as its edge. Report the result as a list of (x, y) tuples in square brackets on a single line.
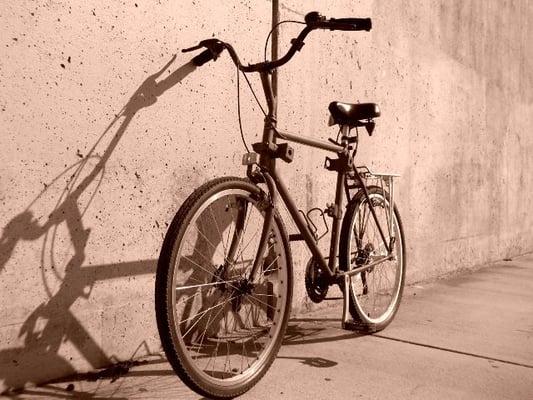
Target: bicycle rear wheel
[(375, 294), (221, 328)]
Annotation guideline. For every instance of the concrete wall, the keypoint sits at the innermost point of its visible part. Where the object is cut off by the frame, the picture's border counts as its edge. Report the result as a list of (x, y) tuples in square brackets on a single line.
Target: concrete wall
[(96, 157)]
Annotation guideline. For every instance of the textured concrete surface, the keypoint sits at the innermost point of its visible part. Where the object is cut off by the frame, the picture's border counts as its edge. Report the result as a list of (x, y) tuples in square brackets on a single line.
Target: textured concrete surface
[(106, 127), (466, 337)]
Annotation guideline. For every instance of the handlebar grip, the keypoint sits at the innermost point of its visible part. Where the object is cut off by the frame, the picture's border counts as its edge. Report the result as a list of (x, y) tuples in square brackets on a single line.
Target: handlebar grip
[(351, 24), (203, 57)]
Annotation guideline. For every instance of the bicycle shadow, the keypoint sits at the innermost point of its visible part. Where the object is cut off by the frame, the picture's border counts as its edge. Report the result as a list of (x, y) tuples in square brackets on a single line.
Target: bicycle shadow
[(316, 330), (72, 387), (316, 362), (306, 331), (53, 323)]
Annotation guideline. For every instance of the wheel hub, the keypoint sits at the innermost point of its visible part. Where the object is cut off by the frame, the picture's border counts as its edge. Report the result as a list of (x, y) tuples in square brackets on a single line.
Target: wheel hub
[(363, 255), (240, 288)]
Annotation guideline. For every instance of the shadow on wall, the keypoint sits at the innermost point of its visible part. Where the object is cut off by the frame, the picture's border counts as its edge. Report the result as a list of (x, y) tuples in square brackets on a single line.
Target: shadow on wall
[(52, 323)]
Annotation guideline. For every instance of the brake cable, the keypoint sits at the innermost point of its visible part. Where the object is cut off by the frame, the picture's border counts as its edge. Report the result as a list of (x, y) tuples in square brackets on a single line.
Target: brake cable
[(275, 27)]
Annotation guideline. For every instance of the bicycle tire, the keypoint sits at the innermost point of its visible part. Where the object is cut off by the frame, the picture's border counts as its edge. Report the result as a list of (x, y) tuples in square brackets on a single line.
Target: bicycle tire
[(185, 350), (354, 245)]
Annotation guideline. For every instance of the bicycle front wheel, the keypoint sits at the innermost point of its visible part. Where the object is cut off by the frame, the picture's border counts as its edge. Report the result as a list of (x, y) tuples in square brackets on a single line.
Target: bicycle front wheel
[(375, 294), (220, 327)]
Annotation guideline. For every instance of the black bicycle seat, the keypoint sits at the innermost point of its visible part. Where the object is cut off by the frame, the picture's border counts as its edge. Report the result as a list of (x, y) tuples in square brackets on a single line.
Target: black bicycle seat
[(353, 114)]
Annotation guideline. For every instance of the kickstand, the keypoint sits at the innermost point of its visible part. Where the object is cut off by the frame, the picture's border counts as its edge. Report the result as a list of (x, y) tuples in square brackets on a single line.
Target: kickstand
[(347, 322)]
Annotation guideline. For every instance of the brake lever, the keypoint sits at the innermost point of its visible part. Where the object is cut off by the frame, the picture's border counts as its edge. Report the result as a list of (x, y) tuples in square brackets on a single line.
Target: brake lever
[(199, 46)]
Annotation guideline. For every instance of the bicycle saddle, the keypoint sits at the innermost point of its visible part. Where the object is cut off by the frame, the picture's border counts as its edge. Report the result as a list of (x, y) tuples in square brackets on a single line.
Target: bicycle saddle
[(353, 114)]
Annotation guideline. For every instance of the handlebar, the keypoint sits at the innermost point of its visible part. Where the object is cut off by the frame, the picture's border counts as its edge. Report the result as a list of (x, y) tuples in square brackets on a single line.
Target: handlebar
[(313, 20), (317, 21), (350, 24)]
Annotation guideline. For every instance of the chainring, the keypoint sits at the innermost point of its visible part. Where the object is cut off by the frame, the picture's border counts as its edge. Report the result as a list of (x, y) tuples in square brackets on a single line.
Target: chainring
[(316, 284)]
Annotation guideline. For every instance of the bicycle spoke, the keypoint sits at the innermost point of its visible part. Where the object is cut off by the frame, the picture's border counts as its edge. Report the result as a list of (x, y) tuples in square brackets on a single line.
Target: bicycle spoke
[(229, 235), (251, 296), (181, 301), (247, 217), (202, 268), (211, 284), (215, 248), (266, 295), (195, 251), (207, 327), (218, 229), (227, 361), (242, 262), (252, 238), (366, 217), (248, 316), (201, 314), (267, 269)]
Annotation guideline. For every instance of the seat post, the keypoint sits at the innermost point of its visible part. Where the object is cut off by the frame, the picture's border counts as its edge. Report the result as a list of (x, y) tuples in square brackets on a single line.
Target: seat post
[(345, 131)]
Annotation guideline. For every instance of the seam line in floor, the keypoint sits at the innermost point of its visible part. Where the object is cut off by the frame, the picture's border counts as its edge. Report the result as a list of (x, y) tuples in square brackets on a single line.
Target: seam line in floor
[(465, 353)]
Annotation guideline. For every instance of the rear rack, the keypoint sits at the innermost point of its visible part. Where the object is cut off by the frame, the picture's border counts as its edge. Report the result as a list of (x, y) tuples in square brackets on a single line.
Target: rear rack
[(385, 181)]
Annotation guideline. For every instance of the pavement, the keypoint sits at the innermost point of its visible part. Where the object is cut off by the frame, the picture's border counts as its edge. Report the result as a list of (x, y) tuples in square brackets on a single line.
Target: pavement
[(469, 336)]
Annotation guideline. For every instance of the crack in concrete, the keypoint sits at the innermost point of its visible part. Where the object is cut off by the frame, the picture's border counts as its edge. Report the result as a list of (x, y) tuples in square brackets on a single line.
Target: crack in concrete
[(465, 353)]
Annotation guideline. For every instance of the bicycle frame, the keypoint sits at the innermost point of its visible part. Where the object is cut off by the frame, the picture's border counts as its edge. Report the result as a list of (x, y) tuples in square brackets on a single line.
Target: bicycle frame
[(344, 164), (246, 308)]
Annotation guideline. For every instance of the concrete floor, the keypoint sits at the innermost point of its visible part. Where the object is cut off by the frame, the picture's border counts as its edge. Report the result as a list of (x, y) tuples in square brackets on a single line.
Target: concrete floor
[(466, 337)]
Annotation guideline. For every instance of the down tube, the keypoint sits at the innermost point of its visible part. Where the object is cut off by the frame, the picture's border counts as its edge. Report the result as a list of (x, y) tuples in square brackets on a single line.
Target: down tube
[(301, 224)]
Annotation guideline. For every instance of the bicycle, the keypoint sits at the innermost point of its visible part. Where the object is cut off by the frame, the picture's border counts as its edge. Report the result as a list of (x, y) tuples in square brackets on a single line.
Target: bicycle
[(224, 277)]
